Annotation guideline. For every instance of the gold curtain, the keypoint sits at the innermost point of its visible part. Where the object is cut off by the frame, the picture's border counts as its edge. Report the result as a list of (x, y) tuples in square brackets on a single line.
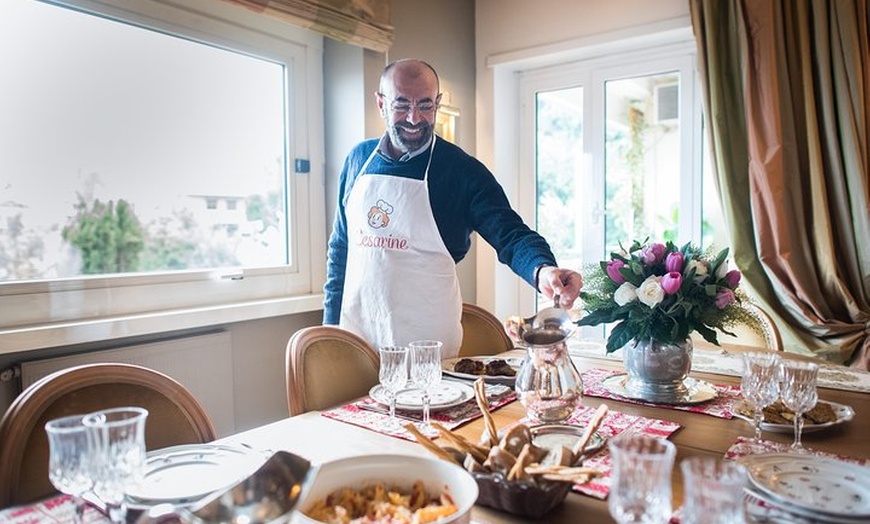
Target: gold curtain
[(787, 93), (366, 23)]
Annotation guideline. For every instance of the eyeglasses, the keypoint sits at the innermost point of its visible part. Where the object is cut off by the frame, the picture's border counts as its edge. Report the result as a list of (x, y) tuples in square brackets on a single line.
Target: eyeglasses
[(402, 106)]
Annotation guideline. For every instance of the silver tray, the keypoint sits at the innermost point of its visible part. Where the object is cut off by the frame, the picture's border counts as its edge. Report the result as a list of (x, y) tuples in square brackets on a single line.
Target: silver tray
[(843, 412), (697, 391), (551, 436)]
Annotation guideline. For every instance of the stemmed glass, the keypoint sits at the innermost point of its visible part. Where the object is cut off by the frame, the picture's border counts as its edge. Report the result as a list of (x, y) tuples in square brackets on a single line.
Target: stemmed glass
[(641, 486), (799, 393), (760, 384), (119, 458), (70, 459), (425, 371), (393, 373)]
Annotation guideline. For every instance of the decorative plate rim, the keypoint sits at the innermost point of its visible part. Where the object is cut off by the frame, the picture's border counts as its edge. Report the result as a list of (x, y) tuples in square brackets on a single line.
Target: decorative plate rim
[(753, 463)]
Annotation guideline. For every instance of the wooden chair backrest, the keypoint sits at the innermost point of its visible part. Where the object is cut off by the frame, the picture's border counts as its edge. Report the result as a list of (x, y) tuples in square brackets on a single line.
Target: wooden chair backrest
[(174, 417), (326, 366), (482, 333)]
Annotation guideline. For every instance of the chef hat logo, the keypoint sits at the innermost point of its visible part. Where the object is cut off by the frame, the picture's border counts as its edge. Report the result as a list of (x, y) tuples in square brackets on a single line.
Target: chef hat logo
[(379, 215)]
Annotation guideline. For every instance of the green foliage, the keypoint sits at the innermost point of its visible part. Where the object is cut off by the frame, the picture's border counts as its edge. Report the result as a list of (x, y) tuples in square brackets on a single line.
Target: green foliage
[(108, 237)]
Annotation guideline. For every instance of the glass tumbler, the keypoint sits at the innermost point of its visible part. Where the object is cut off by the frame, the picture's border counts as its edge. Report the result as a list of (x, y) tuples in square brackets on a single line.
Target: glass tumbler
[(119, 455), (713, 491), (70, 459), (640, 490)]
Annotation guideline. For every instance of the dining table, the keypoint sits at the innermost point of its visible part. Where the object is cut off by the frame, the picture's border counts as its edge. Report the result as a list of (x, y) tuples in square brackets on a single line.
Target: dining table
[(321, 438)]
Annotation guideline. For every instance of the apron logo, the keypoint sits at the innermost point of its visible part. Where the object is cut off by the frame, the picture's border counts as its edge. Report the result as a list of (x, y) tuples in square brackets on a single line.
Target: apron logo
[(378, 218), (379, 215)]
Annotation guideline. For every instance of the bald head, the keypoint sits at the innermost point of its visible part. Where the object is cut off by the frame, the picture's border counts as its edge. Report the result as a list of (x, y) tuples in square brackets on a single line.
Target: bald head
[(408, 71)]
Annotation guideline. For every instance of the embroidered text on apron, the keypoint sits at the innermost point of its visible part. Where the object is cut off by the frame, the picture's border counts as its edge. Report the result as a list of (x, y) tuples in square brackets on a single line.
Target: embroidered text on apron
[(400, 282)]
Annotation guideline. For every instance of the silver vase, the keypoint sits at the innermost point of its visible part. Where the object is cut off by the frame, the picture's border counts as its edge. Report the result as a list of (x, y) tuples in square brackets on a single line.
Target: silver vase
[(657, 372)]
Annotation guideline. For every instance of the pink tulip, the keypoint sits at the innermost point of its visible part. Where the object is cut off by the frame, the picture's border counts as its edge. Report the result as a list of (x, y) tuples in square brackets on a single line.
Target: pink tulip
[(732, 278), (613, 271), (671, 282), (724, 297), (653, 253), (674, 262)]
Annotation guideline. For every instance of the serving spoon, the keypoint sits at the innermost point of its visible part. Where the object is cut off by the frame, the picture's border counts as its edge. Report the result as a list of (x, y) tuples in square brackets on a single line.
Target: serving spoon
[(267, 494)]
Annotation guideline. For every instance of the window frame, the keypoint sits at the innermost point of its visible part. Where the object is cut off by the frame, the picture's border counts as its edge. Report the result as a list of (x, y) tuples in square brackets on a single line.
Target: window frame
[(497, 286), (42, 313)]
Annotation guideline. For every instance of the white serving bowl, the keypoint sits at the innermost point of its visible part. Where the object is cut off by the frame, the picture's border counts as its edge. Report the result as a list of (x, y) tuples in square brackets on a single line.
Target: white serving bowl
[(438, 476)]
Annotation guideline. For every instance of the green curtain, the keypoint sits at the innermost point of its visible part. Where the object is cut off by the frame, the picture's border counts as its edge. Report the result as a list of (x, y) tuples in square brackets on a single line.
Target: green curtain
[(787, 91), (366, 23)]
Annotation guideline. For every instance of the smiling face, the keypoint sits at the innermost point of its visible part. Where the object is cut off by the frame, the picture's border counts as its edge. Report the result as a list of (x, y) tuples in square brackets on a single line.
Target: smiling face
[(408, 101)]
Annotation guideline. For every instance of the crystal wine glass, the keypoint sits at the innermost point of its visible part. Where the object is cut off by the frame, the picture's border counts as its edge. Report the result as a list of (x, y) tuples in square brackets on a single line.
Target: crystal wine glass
[(119, 459), (425, 370), (760, 384), (393, 373), (641, 486), (70, 454), (799, 393)]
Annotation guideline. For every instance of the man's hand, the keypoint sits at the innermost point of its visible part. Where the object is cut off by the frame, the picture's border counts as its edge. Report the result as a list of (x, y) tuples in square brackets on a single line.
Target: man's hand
[(563, 282)]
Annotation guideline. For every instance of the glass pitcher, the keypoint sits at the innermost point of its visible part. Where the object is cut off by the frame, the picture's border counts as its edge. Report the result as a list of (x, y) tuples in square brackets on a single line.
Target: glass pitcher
[(548, 384)]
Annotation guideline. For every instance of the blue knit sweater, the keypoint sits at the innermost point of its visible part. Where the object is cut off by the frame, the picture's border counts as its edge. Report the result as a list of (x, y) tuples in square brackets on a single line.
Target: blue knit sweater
[(465, 197)]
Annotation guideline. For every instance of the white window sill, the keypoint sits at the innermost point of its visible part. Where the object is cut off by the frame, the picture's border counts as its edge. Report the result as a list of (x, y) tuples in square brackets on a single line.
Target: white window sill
[(44, 336)]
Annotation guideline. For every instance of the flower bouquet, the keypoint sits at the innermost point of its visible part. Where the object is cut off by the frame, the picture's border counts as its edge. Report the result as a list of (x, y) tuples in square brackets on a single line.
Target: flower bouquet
[(662, 293), (659, 294)]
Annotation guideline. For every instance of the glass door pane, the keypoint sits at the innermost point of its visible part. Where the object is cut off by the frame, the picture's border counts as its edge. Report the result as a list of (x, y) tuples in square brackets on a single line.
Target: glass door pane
[(642, 159), (560, 172)]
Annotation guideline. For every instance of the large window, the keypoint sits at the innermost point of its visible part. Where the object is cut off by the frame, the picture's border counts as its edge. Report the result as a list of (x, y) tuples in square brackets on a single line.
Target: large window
[(150, 158)]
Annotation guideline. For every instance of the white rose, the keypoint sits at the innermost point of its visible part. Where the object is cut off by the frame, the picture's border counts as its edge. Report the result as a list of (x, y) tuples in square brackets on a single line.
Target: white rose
[(651, 292), (700, 270), (625, 294)]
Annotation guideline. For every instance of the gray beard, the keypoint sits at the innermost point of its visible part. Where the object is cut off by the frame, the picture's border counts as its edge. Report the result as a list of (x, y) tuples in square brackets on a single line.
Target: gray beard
[(406, 145)]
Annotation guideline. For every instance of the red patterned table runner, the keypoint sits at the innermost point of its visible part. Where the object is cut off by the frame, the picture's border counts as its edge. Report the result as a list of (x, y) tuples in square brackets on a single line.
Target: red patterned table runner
[(721, 406), (614, 423), (369, 414), (58, 509)]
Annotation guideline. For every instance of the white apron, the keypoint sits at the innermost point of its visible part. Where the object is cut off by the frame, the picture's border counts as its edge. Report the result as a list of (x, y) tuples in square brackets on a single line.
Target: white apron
[(400, 282)]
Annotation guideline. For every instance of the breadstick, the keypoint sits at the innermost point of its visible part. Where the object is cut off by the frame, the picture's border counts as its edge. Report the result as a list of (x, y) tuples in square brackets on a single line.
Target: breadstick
[(462, 444), (518, 472), (489, 423), (591, 427), (428, 444), (561, 470)]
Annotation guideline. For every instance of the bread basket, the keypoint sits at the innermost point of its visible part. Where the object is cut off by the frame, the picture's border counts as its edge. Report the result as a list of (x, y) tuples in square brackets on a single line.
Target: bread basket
[(526, 498)]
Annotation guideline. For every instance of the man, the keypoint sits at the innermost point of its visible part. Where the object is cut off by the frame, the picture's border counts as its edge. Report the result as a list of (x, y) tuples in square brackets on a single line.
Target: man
[(407, 205)]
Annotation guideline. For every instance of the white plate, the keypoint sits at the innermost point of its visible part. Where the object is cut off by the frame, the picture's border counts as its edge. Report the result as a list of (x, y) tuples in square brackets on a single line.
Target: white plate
[(843, 412), (447, 394), (825, 486), (448, 363), (182, 475)]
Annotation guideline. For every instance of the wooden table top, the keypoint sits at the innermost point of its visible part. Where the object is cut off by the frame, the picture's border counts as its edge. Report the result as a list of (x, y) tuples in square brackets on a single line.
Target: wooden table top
[(320, 439)]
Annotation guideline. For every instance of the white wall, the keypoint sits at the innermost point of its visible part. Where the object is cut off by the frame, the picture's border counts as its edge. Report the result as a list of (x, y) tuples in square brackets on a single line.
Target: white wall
[(507, 30)]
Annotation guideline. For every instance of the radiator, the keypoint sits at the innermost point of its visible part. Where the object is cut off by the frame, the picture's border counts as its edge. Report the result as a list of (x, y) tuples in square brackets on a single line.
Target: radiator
[(202, 363)]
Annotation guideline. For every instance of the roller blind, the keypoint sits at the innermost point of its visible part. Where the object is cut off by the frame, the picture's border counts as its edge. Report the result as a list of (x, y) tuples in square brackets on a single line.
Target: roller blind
[(366, 23)]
